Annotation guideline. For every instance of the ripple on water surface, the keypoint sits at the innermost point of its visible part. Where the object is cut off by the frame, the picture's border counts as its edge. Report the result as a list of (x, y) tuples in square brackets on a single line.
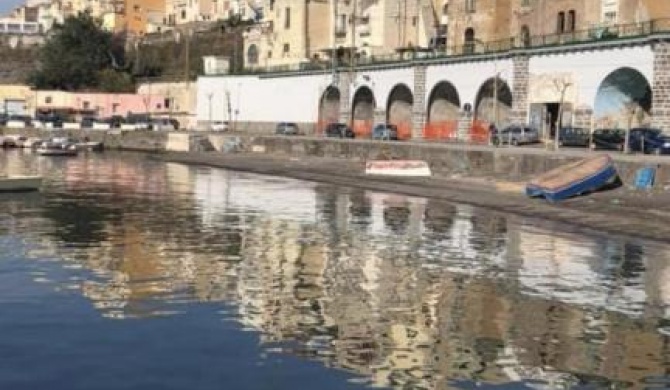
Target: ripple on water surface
[(126, 272)]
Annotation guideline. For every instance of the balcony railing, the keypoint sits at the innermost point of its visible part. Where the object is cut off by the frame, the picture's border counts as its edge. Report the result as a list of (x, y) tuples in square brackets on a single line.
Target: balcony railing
[(594, 35)]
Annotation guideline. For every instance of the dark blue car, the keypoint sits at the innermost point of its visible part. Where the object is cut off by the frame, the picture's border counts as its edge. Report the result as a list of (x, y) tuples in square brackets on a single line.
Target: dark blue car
[(648, 140)]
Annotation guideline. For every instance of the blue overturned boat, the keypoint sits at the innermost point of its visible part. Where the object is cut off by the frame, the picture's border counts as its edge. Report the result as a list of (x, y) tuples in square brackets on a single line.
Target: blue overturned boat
[(573, 179)]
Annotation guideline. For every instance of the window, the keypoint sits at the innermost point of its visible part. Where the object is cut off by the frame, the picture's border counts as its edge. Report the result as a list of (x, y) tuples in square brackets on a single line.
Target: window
[(183, 14), (48, 100), (86, 105), (287, 18), (166, 103), (272, 5), (470, 6), (560, 23), (525, 36), (252, 55), (414, 21), (115, 108), (572, 20), (445, 9), (469, 44), (287, 49), (525, 3), (270, 54)]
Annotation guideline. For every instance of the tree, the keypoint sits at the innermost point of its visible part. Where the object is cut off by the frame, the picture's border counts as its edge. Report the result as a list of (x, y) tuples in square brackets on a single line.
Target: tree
[(75, 54)]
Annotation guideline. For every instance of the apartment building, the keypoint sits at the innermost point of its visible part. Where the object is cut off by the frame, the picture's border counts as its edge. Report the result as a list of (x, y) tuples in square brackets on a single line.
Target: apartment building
[(139, 17), (290, 32)]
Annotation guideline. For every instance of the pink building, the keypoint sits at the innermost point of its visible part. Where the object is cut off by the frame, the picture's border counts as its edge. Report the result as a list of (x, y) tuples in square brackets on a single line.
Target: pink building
[(101, 105)]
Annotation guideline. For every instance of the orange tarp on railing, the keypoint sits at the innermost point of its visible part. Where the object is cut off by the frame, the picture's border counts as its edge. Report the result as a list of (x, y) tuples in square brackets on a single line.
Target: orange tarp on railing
[(404, 130), (362, 128), (442, 130), (479, 132)]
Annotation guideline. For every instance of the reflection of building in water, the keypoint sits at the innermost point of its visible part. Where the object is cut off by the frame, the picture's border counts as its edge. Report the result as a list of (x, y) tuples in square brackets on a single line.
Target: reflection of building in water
[(117, 175), (413, 294), (571, 268)]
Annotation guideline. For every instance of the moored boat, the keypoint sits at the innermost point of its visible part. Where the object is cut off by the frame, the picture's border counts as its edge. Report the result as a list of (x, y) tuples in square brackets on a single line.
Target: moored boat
[(573, 179), (20, 183), (55, 151)]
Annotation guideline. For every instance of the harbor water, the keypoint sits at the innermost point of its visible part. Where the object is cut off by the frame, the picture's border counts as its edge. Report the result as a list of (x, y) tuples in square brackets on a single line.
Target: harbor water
[(130, 273)]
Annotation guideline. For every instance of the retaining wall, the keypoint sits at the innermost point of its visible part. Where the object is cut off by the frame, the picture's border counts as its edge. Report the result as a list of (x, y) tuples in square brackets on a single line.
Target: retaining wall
[(504, 163)]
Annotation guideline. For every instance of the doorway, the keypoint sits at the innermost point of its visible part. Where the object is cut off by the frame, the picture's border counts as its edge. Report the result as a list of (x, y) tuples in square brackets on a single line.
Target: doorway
[(543, 117)]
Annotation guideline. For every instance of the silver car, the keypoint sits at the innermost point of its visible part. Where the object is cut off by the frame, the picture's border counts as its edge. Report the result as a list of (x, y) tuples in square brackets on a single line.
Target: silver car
[(517, 135)]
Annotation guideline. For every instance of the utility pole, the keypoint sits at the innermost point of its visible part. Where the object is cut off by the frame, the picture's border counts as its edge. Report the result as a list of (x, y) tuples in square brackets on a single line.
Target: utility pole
[(353, 39), (333, 56)]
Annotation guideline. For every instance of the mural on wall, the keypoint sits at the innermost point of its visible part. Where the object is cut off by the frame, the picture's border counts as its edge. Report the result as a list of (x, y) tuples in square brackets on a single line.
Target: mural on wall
[(623, 100), (494, 102), (329, 107)]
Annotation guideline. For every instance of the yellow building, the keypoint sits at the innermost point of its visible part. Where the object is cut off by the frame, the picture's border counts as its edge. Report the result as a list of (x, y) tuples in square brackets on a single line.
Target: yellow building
[(16, 99), (143, 16), (291, 32)]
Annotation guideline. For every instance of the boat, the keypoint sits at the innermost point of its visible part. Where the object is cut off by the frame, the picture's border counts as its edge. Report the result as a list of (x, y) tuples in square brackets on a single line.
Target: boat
[(57, 147), (90, 146), (55, 151), (20, 183), (573, 179)]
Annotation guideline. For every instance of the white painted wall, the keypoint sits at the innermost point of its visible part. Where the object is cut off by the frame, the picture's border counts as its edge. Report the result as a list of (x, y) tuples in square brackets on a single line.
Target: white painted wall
[(468, 77), (381, 82), (291, 99), (296, 99), (589, 68)]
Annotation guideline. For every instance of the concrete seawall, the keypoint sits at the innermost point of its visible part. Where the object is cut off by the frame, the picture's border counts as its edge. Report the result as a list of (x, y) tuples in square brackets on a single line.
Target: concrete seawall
[(445, 159)]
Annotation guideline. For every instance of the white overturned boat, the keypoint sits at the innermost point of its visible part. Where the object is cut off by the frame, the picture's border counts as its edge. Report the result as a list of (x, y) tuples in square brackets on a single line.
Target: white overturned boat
[(20, 183)]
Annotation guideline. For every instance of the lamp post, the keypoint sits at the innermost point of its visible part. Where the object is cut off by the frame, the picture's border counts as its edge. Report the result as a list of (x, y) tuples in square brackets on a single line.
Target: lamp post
[(209, 98)]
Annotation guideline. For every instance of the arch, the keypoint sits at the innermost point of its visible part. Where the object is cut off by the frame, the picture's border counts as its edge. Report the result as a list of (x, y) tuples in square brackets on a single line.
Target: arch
[(399, 110), (252, 55), (489, 110), (443, 112), (363, 111), (329, 107), (624, 98)]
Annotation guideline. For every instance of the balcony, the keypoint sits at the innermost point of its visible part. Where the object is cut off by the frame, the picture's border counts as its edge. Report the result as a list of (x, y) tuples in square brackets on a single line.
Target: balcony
[(593, 36)]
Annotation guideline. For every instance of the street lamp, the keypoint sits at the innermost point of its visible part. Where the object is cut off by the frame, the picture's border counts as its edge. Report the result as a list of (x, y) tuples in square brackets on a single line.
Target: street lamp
[(209, 98)]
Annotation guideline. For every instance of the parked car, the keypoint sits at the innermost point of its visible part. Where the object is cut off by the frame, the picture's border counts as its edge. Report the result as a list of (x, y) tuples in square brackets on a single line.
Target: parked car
[(219, 126), (517, 135), (385, 131), (574, 136), (161, 124), (610, 139), (287, 128), (648, 140), (339, 130)]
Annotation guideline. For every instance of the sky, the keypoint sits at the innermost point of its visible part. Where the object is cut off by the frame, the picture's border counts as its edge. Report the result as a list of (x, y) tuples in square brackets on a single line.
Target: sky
[(8, 5)]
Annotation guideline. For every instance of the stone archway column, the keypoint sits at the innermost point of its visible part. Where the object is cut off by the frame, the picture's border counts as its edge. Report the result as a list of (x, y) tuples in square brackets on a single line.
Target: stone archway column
[(344, 85), (379, 116), (520, 86), (418, 108), (660, 111)]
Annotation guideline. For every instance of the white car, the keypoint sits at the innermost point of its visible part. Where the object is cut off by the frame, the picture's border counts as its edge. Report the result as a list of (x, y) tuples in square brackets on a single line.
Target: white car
[(219, 126)]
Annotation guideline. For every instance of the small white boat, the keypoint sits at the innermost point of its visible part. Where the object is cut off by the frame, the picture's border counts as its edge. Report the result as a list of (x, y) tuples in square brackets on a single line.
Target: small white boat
[(20, 183), (48, 150)]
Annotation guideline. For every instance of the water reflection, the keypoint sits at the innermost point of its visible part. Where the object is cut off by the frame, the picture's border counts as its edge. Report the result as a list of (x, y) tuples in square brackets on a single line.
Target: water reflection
[(406, 292)]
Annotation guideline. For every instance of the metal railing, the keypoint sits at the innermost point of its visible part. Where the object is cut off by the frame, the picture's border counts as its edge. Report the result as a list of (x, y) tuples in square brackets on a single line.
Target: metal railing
[(592, 35)]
